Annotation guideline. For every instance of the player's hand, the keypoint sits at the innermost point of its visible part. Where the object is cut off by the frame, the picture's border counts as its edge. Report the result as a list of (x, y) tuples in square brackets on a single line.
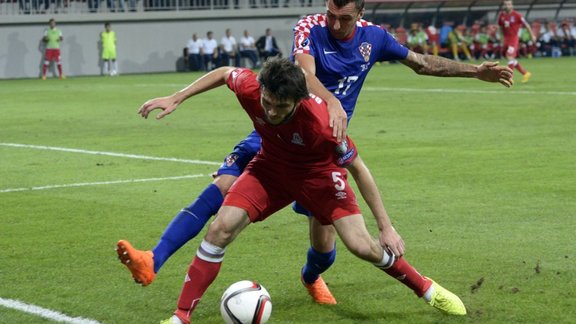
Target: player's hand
[(166, 104), (391, 241), (338, 119), (492, 72)]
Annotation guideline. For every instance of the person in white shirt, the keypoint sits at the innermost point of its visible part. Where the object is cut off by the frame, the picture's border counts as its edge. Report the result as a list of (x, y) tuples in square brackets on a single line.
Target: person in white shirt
[(248, 49), (210, 52), (229, 49), (195, 51)]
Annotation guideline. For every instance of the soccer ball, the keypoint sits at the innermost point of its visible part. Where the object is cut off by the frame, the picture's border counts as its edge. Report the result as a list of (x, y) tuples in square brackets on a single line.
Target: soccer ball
[(246, 302)]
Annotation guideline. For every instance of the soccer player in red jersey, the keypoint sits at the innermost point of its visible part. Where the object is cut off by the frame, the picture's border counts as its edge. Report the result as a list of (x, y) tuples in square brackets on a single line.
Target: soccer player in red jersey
[(510, 22), (299, 160)]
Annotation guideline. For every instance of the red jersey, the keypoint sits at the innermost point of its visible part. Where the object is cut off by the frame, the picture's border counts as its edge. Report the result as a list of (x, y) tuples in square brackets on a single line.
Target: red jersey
[(510, 23), (302, 144), (298, 160)]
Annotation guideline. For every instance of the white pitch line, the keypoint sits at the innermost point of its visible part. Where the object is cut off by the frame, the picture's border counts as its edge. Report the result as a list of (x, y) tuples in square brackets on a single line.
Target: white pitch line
[(43, 312), (85, 184), (464, 91), (131, 156)]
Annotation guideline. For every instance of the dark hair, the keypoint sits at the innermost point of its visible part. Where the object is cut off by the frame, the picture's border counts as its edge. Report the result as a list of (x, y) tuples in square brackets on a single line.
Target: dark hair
[(106, 24), (341, 3), (51, 20), (283, 79)]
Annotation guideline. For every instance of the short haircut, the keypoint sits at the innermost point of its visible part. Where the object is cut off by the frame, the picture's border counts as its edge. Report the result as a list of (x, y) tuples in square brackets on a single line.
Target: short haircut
[(341, 3), (283, 79)]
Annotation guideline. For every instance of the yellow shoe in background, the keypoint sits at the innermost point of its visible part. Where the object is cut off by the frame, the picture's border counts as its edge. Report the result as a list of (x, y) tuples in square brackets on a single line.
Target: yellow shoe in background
[(526, 77)]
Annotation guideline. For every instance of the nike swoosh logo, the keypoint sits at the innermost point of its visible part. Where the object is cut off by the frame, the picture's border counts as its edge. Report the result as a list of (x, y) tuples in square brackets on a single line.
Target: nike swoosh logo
[(329, 52)]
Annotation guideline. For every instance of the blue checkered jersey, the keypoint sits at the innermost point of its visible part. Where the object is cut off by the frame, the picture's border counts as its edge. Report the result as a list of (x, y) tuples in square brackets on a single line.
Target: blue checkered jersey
[(342, 65)]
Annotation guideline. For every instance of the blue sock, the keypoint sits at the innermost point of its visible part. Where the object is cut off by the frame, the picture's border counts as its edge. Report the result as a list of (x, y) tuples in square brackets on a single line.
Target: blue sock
[(187, 224), (316, 264)]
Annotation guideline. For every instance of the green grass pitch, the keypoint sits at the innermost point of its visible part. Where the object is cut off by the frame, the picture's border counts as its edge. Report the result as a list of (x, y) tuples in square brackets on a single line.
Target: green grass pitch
[(479, 180)]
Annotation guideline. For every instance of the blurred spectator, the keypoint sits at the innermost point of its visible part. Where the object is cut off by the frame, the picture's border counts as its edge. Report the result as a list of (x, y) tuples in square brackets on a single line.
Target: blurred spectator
[(94, 4), (401, 35), (459, 41), (433, 39), (417, 39), (480, 44), (445, 30), (267, 45), (567, 38), (527, 46), (210, 52), (229, 49), (550, 41), (248, 49), (195, 54), (494, 40)]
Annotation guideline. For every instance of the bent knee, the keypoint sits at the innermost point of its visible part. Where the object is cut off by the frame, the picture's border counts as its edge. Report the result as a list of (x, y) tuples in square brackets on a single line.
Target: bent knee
[(224, 182), (220, 233)]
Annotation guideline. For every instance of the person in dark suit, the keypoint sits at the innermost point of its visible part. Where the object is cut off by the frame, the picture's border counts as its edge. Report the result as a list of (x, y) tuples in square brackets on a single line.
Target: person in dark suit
[(267, 46)]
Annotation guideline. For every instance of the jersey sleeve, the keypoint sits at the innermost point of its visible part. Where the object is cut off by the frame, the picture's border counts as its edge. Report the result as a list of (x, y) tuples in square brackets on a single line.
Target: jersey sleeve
[(391, 49), (302, 43), (241, 81)]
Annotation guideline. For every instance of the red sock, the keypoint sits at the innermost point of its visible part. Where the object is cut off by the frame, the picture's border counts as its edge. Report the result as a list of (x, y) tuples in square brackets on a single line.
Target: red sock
[(60, 69), (520, 69), (200, 275), (44, 69), (406, 274), (511, 66)]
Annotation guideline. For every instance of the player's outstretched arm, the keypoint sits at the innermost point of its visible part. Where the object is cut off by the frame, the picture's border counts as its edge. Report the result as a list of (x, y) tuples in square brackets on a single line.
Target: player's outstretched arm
[(338, 117), (389, 238), (168, 104), (443, 67)]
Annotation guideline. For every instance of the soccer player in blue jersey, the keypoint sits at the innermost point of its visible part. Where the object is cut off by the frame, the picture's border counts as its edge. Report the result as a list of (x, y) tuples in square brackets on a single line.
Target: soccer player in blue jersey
[(341, 25), (337, 50)]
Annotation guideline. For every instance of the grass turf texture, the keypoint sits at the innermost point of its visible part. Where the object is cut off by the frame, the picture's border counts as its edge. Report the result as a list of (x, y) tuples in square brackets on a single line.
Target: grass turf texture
[(479, 181)]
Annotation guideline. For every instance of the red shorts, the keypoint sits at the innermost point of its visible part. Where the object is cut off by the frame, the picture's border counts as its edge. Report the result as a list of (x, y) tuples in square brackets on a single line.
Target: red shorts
[(52, 54), (510, 49), (262, 190)]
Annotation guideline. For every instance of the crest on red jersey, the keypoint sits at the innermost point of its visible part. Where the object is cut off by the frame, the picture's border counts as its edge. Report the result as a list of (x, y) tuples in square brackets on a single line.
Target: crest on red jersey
[(365, 49)]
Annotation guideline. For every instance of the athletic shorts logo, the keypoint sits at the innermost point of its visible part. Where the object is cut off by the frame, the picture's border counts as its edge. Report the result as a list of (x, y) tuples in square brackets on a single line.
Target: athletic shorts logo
[(231, 159), (365, 49), (341, 195)]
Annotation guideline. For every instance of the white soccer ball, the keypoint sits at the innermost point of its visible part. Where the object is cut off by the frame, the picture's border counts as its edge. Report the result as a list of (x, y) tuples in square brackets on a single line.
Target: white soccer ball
[(246, 302)]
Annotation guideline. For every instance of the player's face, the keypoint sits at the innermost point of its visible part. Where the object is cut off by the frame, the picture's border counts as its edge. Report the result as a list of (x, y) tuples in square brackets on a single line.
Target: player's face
[(342, 21), (508, 6), (276, 111)]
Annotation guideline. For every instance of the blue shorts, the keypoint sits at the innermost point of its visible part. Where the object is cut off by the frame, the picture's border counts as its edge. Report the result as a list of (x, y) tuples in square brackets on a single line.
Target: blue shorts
[(235, 163)]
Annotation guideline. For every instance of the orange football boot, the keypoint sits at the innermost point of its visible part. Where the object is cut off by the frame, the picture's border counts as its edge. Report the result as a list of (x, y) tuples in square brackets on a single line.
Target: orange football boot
[(140, 263), (320, 292)]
